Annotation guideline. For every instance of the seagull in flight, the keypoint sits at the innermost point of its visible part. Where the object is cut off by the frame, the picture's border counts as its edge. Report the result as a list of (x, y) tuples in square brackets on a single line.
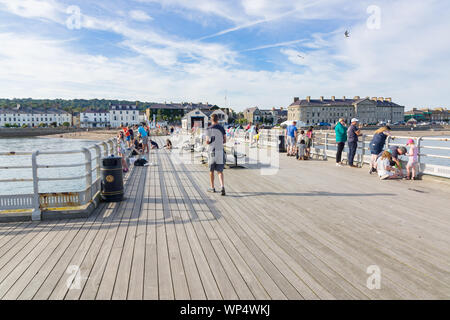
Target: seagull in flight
[(347, 34), (301, 56)]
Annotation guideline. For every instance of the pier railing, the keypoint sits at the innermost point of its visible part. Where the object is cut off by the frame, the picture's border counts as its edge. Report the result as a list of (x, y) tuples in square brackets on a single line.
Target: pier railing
[(38, 201), (324, 144)]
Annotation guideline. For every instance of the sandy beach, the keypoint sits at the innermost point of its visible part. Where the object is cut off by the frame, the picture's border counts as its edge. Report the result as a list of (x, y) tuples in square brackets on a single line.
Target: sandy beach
[(98, 135)]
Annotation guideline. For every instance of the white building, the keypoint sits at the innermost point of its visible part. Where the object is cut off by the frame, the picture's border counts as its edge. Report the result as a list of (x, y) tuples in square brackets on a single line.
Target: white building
[(194, 119), (142, 117), (221, 115), (33, 117), (123, 115), (202, 119), (95, 119)]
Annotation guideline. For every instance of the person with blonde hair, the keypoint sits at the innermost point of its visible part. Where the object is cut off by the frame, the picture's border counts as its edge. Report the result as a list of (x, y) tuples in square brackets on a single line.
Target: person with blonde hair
[(377, 145), (384, 169)]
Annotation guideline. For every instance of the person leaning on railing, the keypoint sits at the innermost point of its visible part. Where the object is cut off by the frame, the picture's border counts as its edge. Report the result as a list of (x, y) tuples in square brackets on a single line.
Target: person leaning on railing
[(341, 138), (353, 133)]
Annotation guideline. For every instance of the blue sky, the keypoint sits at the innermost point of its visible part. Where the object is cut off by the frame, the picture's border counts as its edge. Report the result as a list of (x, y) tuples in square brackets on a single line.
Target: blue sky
[(256, 52)]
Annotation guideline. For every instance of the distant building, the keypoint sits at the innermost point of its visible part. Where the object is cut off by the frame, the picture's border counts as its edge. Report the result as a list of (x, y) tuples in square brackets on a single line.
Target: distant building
[(274, 116), (428, 115), (76, 120), (33, 117), (202, 119), (252, 115), (177, 108), (195, 119), (367, 110), (142, 117), (221, 115), (123, 115), (95, 119)]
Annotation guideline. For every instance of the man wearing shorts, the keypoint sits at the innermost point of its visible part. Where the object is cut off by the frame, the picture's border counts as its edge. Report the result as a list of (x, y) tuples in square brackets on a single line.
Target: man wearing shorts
[(215, 139), (291, 136)]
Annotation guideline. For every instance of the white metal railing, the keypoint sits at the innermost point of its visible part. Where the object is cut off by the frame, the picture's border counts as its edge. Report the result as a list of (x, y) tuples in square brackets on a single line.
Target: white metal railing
[(38, 201), (324, 142)]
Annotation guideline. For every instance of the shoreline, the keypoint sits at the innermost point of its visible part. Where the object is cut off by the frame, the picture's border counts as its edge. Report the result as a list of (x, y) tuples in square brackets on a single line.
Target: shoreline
[(85, 135)]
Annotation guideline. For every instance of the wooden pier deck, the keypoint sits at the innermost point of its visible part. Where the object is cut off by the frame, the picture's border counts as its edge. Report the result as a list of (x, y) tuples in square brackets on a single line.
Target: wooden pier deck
[(308, 232)]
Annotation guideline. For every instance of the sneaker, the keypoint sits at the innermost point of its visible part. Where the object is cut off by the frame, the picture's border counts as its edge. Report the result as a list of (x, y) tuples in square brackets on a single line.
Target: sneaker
[(338, 165), (223, 191), (384, 177), (211, 190)]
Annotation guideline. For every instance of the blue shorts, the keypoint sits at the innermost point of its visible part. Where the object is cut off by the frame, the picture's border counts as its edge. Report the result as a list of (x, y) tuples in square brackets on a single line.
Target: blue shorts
[(128, 138)]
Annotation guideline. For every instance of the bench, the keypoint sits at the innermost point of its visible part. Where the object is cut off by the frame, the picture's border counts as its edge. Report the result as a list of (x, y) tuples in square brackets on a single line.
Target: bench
[(236, 155)]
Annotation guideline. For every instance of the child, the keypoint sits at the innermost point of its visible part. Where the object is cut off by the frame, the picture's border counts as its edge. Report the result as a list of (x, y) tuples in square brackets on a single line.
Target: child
[(413, 156), (384, 169), (168, 145), (301, 149)]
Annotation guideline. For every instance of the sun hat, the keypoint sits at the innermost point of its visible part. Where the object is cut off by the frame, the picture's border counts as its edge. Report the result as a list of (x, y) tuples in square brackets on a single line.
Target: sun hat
[(355, 120), (410, 141)]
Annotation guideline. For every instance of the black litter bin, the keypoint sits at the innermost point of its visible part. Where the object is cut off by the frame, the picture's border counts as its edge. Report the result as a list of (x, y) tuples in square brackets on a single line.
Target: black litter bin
[(112, 179), (281, 144)]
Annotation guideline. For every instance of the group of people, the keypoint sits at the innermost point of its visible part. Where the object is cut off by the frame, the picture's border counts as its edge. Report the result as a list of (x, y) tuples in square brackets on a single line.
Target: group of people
[(136, 139), (384, 162), (299, 144)]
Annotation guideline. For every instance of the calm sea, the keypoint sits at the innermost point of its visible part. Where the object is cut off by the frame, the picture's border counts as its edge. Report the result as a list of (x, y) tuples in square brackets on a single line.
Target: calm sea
[(42, 144)]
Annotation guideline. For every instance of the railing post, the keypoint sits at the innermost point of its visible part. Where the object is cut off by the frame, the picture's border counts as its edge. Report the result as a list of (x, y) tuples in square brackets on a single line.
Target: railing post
[(419, 140), (363, 150), (105, 147), (111, 145), (98, 152), (88, 168), (325, 155), (36, 214)]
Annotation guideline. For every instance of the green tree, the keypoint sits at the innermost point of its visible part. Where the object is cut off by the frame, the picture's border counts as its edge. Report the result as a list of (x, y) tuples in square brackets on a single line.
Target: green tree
[(66, 124)]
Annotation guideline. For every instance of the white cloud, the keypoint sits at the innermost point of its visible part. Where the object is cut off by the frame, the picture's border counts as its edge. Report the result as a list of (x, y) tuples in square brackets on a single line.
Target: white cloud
[(139, 15), (406, 59), (46, 9)]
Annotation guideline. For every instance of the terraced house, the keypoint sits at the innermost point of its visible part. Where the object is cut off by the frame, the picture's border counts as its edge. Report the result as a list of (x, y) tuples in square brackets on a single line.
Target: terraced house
[(367, 110), (33, 117)]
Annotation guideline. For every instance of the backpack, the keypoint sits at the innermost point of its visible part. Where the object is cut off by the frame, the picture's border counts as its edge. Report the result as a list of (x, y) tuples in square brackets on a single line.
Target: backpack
[(140, 162)]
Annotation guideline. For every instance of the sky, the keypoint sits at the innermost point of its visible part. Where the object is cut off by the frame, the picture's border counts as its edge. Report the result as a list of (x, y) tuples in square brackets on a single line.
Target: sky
[(233, 53)]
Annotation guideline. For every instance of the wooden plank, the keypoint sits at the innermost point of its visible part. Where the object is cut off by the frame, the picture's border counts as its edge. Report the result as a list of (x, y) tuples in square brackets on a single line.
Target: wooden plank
[(136, 282), (109, 230), (40, 268), (151, 290), (107, 278), (123, 274)]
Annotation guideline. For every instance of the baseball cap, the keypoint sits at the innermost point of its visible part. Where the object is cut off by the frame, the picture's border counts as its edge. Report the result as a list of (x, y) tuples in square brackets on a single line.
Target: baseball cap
[(355, 120), (410, 141)]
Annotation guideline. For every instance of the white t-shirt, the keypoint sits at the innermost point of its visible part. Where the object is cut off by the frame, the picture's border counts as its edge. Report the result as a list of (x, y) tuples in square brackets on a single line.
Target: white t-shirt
[(382, 165)]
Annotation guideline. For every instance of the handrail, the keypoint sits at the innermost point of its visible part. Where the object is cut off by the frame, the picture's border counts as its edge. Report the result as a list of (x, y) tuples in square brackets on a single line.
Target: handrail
[(324, 140), (86, 194)]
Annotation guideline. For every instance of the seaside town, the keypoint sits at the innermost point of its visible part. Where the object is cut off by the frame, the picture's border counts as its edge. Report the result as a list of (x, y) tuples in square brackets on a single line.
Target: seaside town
[(315, 112), (225, 159)]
